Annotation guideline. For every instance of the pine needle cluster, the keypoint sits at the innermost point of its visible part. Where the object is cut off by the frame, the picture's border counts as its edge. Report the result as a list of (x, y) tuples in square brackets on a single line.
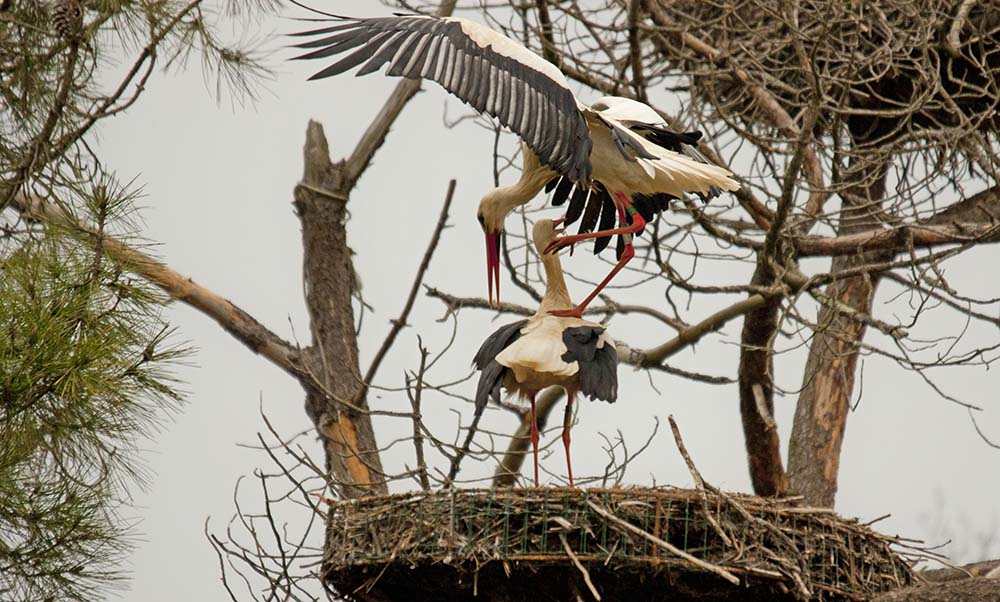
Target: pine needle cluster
[(84, 375), (85, 353)]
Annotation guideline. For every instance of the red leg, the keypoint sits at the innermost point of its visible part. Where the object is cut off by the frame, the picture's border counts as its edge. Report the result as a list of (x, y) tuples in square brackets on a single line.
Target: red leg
[(534, 436), (567, 423), (577, 312), (638, 223)]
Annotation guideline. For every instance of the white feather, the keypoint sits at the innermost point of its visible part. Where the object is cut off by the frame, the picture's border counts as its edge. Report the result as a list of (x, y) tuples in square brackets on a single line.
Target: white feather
[(539, 350), (674, 173), (647, 167), (626, 109), (485, 37)]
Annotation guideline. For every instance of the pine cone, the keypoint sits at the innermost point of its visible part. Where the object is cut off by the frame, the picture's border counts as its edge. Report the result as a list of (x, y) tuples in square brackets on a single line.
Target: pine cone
[(67, 18)]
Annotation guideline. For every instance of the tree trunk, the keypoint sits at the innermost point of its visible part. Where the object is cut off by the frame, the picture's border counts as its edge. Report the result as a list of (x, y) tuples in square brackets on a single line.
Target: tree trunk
[(756, 386), (828, 380), (339, 410)]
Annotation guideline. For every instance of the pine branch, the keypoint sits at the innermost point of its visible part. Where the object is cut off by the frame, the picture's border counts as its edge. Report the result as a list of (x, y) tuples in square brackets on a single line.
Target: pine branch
[(241, 325)]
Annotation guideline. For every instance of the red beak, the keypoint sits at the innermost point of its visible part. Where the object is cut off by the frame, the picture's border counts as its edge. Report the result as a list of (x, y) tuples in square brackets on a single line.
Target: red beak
[(493, 264)]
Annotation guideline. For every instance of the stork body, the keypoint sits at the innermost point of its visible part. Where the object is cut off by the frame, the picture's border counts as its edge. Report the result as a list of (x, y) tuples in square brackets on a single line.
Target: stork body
[(615, 148), (548, 350)]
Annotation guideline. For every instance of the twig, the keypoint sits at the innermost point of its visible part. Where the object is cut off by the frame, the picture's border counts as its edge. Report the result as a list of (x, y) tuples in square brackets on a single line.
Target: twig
[(897, 238), (454, 303), (218, 547), (698, 482), (579, 565), (765, 101), (418, 437), (400, 322), (721, 572), (635, 51), (462, 451), (953, 41), (107, 106), (795, 572), (611, 307), (28, 162)]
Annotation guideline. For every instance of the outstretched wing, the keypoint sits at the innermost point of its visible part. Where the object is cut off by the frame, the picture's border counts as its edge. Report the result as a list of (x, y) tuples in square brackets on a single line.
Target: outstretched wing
[(597, 361), (491, 371), (482, 67)]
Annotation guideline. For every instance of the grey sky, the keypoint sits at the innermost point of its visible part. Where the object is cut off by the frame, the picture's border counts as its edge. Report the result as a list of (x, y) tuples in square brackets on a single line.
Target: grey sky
[(218, 187)]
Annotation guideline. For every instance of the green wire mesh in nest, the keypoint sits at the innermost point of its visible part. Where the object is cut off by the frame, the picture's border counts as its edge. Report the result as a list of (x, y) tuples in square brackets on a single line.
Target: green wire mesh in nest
[(618, 544)]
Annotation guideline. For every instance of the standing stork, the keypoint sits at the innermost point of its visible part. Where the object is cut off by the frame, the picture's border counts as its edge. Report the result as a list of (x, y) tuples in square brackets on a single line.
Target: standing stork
[(616, 147), (545, 350)]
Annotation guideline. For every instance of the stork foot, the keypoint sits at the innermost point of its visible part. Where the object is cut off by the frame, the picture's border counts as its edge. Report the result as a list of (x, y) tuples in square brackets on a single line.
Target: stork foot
[(561, 242), (576, 312)]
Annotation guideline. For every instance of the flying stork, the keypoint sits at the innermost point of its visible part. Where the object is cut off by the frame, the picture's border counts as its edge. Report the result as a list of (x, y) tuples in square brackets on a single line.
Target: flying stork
[(545, 350), (613, 150)]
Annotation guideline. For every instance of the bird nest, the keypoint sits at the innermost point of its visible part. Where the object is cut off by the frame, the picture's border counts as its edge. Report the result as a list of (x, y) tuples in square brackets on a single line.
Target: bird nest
[(604, 544)]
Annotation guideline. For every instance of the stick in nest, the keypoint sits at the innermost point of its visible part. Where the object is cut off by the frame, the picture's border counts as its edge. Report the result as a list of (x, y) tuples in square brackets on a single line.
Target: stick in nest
[(728, 576), (794, 572), (579, 565), (699, 483)]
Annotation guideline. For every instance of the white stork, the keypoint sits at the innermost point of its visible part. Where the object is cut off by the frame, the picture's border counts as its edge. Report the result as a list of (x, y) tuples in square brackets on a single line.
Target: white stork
[(617, 145), (548, 350)]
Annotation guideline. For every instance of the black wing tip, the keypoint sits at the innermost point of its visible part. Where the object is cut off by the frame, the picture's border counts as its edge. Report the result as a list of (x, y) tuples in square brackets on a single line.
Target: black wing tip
[(490, 381), (601, 380), (601, 243), (713, 192)]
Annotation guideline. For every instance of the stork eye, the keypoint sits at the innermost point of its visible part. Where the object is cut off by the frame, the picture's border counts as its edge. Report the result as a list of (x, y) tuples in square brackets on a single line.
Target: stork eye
[(482, 220)]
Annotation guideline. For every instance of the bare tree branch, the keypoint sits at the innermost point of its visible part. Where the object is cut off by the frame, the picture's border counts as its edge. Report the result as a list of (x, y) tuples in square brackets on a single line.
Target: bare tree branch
[(418, 279)]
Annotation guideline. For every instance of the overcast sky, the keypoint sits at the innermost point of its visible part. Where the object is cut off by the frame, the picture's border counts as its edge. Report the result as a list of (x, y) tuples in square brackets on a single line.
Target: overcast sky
[(218, 185)]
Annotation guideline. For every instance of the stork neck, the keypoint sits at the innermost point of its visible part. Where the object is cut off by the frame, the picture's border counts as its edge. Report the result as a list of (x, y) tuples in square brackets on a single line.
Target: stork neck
[(556, 293), (522, 191)]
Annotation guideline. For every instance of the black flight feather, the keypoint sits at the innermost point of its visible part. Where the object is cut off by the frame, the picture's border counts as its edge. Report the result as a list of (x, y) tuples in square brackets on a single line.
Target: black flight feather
[(384, 54), (608, 215), (576, 205), (596, 360), (324, 30), (401, 58), (563, 189), (491, 375), (665, 137), (591, 213)]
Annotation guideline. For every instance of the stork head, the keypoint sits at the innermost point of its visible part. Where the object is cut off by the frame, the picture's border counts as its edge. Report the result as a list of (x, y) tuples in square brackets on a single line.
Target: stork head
[(545, 232), (491, 214)]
